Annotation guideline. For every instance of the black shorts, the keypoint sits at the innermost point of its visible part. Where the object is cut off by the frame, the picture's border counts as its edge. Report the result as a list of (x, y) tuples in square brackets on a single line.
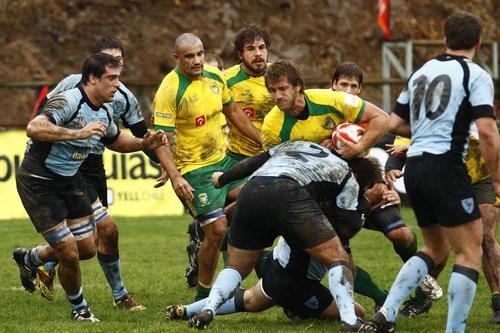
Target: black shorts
[(94, 175), (483, 190), (299, 297), (268, 207), (440, 191), (49, 202)]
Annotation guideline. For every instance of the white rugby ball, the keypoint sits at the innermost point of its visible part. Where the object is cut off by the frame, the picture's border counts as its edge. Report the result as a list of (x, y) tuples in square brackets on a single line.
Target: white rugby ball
[(347, 131)]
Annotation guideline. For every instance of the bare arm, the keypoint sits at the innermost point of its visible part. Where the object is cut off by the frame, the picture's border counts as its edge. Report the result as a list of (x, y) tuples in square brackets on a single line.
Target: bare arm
[(182, 188), (377, 127), (490, 148), (126, 143), (242, 123), (41, 129), (399, 126)]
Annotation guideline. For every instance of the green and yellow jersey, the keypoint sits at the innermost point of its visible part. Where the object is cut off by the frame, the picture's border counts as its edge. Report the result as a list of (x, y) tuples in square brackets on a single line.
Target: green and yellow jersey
[(251, 95), (194, 110), (474, 161), (326, 109)]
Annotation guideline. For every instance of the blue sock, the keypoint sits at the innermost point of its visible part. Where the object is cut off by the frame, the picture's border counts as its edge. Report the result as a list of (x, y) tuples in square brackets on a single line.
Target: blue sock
[(111, 267), (341, 284), (196, 307), (409, 277), (77, 301), (228, 307), (461, 291), (227, 281), (50, 265), (31, 259)]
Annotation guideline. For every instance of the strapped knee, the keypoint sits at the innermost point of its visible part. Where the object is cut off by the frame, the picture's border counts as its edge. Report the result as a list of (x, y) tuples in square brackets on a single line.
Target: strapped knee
[(82, 228), (387, 218), (100, 211), (58, 235)]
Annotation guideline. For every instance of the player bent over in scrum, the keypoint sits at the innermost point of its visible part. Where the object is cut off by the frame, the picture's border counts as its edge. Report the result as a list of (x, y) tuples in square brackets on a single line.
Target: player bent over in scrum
[(303, 175)]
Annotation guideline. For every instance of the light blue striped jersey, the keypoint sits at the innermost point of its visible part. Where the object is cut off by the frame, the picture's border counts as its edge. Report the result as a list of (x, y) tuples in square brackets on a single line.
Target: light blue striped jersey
[(307, 163), (440, 101), (73, 110), (125, 105)]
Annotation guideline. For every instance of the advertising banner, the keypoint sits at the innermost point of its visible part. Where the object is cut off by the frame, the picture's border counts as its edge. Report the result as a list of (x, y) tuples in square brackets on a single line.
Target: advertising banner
[(130, 182)]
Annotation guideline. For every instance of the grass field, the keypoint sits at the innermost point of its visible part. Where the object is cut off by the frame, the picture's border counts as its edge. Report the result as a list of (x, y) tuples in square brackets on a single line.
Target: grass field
[(153, 261)]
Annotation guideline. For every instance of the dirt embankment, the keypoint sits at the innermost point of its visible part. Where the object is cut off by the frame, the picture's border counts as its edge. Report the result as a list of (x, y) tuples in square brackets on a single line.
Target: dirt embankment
[(45, 40)]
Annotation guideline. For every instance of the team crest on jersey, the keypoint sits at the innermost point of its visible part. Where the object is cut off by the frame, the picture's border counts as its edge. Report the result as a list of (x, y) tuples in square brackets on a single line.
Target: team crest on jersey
[(203, 197), (468, 205), (312, 303), (214, 87), (200, 121), (329, 124)]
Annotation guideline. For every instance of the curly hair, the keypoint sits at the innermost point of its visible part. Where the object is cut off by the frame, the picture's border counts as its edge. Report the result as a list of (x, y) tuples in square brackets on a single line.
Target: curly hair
[(247, 35)]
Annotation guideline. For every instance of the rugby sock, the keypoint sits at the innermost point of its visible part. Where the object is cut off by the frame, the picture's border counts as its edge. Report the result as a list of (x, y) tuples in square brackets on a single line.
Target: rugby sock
[(227, 281), (50, 265), (225, 257), (340, 281), (110, 265), (201, 292), (408, 278), (227, 308), (31, 259), (406, 253), (364, 285), (461, 291), (260, 264), (77, 301)]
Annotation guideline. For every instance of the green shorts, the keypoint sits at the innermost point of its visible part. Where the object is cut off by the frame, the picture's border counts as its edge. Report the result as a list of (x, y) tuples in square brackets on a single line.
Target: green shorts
[(209, 202), (483, 190)]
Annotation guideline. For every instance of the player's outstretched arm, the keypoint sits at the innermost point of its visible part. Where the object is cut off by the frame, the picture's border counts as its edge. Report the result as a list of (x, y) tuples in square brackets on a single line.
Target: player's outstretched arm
[(41, 129), (243, 124), (240, 170)]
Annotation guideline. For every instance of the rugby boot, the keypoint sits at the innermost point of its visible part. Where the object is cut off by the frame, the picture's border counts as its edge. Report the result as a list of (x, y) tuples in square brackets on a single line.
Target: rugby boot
[(381, 324), (46, 282), (414, 307), (175, 312), (26, 273), (129, 304), (201, 320), (84, 314), (431, 288)]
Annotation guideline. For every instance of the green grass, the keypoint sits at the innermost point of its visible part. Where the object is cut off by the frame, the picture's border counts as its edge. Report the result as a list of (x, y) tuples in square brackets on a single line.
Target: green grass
[(153, 261)]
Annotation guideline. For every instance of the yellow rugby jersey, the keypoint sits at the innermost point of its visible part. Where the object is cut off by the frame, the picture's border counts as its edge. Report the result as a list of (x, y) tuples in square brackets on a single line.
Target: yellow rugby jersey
[(327, 109), (251, 95), (474, 161), (401, 140), (194, 110)]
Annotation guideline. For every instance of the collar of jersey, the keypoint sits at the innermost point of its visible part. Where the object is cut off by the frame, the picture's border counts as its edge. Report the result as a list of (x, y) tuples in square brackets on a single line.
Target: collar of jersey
[(87, 100)]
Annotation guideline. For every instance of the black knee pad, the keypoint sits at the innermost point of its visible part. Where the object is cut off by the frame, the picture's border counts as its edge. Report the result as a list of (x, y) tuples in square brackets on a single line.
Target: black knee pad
[(386, 218)]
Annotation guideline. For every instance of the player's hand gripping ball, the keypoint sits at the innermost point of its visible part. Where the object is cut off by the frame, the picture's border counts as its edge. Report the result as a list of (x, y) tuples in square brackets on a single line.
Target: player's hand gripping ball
[(347, 131)]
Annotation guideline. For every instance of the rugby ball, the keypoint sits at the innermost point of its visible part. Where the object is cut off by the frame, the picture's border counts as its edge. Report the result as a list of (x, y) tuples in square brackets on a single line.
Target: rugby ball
[(347, 131)]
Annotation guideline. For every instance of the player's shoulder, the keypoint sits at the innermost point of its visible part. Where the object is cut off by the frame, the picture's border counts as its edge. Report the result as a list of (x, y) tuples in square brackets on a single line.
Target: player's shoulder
[(213, 73), (232, 71)]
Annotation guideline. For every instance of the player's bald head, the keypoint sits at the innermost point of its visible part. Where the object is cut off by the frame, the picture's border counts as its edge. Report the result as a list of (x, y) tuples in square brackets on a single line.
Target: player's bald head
[(186, 39)]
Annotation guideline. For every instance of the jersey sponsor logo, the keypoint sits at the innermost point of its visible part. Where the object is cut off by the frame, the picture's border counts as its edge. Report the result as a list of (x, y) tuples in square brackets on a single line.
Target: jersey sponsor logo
[(312, 303), (203, 197), (200, 121), (468, 205), (79, 154), (214, 87), (249, 112), (351, 100), (163, 115)]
